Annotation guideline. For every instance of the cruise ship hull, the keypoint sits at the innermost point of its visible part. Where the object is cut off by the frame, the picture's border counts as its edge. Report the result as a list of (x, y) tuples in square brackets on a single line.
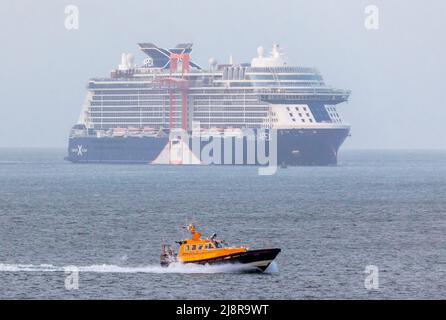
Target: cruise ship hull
[(318, 147)]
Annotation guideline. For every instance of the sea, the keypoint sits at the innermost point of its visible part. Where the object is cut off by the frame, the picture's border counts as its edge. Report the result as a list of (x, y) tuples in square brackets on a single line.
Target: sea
[(372, 227)]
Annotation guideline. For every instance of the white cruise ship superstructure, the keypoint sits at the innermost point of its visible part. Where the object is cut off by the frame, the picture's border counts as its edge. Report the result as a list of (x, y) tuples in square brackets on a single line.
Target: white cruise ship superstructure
[(142, 113)]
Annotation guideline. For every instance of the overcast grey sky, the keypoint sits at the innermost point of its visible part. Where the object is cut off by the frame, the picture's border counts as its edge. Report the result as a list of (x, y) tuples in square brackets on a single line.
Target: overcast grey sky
[(396, 73)]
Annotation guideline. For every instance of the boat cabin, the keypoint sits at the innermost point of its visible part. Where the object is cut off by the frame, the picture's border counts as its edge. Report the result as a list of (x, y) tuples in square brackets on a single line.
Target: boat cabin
[(196, 249)]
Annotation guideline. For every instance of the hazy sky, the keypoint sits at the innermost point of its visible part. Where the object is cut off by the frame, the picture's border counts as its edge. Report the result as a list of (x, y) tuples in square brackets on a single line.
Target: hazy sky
[(396, 74)]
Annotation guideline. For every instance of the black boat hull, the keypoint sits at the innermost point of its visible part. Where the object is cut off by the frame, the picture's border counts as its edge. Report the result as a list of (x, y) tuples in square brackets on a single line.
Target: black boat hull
[(256, 260)]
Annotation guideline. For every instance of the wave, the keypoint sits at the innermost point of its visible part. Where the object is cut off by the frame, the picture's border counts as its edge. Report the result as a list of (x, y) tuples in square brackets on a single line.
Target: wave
[(109, 268)]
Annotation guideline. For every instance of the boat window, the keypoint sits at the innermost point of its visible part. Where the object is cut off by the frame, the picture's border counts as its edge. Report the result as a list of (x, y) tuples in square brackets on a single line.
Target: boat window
[(194, 247), (200, 247), (208, 246), (218, 245), (186, 247)]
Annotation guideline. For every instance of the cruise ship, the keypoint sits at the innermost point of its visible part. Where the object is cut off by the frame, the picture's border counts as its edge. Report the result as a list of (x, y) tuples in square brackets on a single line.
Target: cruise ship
[(170, 110)]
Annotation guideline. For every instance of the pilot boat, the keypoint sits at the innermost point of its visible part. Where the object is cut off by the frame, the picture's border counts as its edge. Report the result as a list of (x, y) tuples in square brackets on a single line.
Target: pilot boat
[(215, 251)]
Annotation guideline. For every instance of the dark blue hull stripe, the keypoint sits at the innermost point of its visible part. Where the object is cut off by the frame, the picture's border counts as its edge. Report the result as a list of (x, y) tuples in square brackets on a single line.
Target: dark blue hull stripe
[(294, 147)]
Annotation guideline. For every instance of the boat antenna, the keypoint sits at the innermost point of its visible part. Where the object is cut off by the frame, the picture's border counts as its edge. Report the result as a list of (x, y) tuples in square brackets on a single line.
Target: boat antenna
[(193, 220)]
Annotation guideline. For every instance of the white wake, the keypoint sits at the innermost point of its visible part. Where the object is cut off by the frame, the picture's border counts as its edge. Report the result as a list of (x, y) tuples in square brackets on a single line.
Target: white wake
[(108, 268)]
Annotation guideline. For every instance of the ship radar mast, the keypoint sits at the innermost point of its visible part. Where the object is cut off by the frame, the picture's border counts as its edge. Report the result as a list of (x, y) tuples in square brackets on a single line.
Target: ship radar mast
[(275, 59)]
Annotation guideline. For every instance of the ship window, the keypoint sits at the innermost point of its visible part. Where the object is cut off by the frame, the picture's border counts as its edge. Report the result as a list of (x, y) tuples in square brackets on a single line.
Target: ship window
[(291, 114), (305, 109), (300, 114), (200, 247), (297, 108), (194, 247), (294, 119), (208, 246), (186, 247), (303, 120), (288, 108), (311, 120), (308, 114)]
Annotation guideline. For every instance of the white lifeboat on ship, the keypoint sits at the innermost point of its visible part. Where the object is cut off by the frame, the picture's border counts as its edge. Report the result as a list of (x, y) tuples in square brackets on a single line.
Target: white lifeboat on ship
[(149, 132), (233, 132), (215, 132), (133, 132), (119, 132)]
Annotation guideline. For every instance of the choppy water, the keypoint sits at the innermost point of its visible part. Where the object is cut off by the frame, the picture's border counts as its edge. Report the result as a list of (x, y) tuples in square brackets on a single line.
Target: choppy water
[(382, 208)]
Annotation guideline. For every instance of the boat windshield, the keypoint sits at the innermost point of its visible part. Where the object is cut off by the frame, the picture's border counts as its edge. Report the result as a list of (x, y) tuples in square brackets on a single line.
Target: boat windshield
[(221, 244)]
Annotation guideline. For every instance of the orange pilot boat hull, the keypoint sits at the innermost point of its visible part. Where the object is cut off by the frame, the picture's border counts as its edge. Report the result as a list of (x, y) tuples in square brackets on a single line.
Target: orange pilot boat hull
[(257, 260)]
